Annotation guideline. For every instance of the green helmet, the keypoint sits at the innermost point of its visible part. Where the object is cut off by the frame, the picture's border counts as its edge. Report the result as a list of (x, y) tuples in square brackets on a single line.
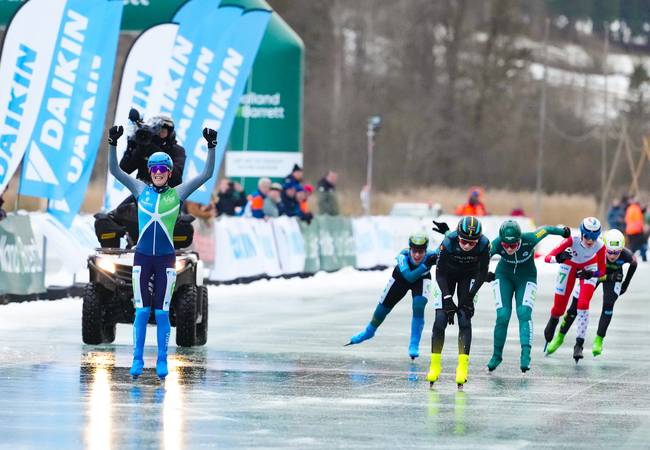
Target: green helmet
[(510, 232), (419, 241)]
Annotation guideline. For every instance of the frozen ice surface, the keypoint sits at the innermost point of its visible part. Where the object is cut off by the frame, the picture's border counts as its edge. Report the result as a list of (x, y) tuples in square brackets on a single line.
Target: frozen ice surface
[(275, 375)]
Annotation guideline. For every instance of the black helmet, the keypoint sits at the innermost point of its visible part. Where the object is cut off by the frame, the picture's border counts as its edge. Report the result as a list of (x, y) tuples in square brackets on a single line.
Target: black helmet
[(469, 228)]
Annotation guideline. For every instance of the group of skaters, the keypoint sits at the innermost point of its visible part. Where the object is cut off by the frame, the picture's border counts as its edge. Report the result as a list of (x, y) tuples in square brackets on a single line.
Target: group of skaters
[(462, 267)]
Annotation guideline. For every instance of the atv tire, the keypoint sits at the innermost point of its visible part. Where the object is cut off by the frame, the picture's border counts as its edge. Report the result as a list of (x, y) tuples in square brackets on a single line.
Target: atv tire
[(202, 327), (109, 333), (186, 304), (92, 315)]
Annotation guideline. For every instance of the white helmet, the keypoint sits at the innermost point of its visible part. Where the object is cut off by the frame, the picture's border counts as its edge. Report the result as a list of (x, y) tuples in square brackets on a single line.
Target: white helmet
[(590, 228), (614, 241)]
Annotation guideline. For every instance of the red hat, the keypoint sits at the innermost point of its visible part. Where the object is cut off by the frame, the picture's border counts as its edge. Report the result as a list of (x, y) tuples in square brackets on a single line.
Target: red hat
[(309, 188)]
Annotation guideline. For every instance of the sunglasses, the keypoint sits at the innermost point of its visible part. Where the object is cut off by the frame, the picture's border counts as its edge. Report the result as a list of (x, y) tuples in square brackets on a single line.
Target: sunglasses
[(591, 236), (513, 246), (614, 252), (159, 169), (467, 243)]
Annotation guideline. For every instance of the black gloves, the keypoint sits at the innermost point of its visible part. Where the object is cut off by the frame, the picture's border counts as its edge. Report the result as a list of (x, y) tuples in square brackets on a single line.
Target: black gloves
[(566, 232), (616, 276), (490, 277), (134, 116), (468, 310), (584, 274), (623, 289), (440, 227), (564, 256), (210, 136), (431, 260), (449, 307), (114, 134)]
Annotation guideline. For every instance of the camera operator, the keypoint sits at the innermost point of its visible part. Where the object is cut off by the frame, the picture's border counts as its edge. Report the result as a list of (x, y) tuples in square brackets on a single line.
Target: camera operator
[(157, 135)]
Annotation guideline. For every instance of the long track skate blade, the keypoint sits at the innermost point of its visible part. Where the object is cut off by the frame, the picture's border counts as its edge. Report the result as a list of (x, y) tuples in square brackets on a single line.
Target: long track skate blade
[(460, 386), (349, 343)]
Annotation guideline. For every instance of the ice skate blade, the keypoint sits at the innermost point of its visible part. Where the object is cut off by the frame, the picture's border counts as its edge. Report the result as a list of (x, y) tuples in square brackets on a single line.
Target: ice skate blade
[(460, 386), (413, 358), (431, 384), (524, 369), (349, 343)]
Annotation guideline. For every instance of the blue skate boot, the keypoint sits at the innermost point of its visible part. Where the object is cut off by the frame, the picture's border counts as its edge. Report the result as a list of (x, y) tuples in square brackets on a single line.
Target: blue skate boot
[(163, 330), (139, 336)]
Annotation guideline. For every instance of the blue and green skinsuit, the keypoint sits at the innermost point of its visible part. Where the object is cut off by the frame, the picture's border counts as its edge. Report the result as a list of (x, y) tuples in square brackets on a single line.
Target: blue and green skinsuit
[(516, 276), (158, 209), (406, 276)]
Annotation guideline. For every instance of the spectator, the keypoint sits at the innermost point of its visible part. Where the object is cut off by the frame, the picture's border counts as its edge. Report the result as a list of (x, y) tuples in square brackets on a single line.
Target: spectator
[(258, 197), (231, 198), (302, 197), (474, 205), (634, 227), (273, 200), (616, 215), (295, 176), (289, 206), (327, 201), (517, 212)]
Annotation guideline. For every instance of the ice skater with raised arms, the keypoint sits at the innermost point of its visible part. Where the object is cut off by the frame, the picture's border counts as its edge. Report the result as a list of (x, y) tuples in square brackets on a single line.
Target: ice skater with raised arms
[(158, 209), (516, 276), (581, 258), (462, 267), (614, 285), (412, 273)]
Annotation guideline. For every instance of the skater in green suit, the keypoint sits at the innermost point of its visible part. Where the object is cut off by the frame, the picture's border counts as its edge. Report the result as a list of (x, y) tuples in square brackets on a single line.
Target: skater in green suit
[(516, 275)]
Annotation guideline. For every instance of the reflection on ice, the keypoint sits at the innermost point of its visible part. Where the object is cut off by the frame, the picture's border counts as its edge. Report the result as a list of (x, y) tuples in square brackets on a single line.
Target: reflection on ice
[(173, 407), (98, 430)]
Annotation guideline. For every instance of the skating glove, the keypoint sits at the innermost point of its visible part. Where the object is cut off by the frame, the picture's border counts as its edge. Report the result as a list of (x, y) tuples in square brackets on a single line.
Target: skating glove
[(490, 277), (210, 136), (114, 134), (440, 227), (566, 232), (431, 260), (623, 289), (616, 276), (564, 256), (585, 274), (449, 307), (468, 309)]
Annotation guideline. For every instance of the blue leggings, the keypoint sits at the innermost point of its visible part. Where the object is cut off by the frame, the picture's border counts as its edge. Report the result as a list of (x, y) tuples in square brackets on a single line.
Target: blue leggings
[(163, 270)]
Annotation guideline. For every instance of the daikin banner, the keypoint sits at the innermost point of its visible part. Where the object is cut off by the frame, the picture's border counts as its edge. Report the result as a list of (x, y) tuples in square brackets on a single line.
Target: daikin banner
[(193, 70), (55, 78)]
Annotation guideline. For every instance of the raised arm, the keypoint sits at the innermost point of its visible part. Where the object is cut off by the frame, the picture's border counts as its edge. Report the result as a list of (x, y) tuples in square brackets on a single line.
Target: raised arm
[(185, 189), (132, 184)]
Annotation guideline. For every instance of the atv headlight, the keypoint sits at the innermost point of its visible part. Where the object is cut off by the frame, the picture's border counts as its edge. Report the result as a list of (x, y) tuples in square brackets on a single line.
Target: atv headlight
[(106, 265), (180, 264)]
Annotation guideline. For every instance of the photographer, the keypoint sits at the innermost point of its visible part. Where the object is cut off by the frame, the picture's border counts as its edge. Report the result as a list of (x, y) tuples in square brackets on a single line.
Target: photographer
[(157, 135)]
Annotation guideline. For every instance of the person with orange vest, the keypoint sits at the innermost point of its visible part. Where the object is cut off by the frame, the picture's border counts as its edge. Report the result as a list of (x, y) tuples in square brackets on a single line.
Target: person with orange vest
[(258, 197), (474, 205), (634, 227)]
